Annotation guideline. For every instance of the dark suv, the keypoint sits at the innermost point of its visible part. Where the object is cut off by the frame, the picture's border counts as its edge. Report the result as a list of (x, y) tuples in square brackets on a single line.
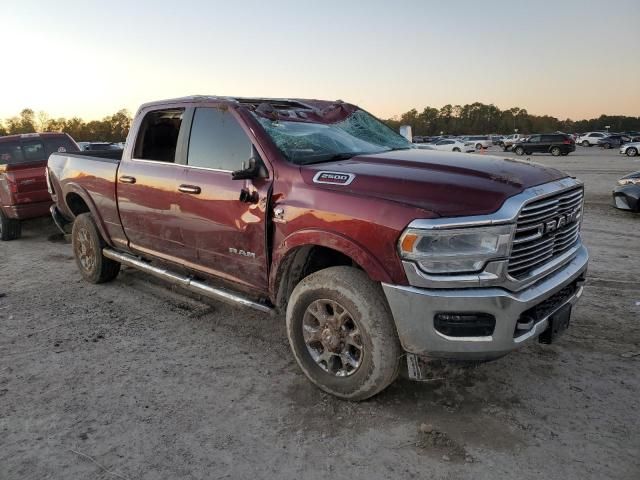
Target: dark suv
[(554, 143)]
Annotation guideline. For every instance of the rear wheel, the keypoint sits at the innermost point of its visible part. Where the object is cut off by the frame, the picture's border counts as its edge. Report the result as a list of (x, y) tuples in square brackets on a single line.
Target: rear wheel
[(519, 151), (87, 248), (607, 145), (585, 143), (342, 334), (10, 228), (456, 149), (478, 146), (632, 151), (555, 151)]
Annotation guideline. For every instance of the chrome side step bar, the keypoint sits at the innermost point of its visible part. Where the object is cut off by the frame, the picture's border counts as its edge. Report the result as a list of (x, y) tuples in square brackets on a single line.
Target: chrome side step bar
[(184, 282)]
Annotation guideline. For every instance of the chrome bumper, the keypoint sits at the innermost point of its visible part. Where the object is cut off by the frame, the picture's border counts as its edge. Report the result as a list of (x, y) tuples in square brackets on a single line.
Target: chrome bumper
[(414, 310)]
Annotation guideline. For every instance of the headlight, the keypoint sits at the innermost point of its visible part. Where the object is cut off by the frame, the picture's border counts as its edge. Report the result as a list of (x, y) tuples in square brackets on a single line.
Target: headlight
[(629, 181), (457, 250)]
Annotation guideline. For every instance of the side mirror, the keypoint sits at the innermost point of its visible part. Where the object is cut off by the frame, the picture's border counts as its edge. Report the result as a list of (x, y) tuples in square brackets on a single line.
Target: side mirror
[(254, 170)]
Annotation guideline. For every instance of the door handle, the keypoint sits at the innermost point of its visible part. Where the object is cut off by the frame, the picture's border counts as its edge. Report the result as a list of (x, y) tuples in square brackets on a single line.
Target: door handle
[(192, 189), (127, 179)]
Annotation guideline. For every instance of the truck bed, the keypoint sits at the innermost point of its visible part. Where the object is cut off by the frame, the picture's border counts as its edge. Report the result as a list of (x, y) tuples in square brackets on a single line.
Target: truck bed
[(89, 180)]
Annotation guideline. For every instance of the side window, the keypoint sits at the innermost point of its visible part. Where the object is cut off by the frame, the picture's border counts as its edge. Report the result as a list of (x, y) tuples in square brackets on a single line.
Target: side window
[(550, 138), (33, 151), (10, 153), (534, 139), (158, 136), (217, 141), (598, 135)]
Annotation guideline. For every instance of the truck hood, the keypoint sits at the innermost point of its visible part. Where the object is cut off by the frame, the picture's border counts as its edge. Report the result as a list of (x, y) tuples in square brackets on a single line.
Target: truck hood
[(447, 184)]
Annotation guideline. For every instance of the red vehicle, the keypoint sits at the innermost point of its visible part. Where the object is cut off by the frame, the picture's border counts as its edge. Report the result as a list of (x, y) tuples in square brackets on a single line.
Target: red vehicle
[(379, 254), (23, 191)]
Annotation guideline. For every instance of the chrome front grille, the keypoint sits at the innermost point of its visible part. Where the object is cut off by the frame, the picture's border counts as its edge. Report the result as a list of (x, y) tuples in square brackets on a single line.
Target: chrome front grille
[(545, 229)]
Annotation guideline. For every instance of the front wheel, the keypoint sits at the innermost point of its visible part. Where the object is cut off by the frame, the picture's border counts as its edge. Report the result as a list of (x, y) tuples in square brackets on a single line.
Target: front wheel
[(555, 151), (456, 149), (519, 151), (585, 143), (607, 146), (632, 152), (342, 333), (87, 248), (10, 228), (478, 146)]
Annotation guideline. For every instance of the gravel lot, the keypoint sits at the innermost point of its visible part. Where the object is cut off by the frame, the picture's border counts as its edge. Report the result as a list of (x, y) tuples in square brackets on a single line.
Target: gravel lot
[(135, 380)]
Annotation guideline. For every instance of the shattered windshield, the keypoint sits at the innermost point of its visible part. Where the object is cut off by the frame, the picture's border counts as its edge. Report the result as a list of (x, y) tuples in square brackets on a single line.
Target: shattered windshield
[(303, 142)]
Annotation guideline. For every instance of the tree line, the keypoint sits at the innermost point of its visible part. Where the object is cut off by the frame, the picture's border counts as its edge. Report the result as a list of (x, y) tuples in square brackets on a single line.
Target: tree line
[(475, 118), (113, 128), (478, 118)]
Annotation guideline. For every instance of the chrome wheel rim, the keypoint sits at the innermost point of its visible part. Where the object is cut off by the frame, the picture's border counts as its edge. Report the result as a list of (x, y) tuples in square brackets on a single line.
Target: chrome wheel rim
[(85, 251), (632, 152), (332, 338)]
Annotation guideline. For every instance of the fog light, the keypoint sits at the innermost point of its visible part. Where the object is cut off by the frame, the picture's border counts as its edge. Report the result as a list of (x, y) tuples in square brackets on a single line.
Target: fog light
[(465, 324)]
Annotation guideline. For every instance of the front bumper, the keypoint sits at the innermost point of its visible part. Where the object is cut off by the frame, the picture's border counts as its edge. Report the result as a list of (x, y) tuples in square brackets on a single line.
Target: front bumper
[(627, 197), (414, 310)]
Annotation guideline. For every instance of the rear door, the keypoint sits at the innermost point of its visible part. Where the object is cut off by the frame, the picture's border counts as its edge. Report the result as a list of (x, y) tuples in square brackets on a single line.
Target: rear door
[(227, 234), (149, 199)]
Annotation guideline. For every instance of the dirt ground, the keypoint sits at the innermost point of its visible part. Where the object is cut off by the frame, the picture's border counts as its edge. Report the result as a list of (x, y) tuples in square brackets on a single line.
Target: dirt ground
[(135, 380)]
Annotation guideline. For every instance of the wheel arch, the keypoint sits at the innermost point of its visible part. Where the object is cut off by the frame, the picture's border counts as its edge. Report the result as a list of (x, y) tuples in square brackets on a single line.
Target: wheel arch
[(306, 252), (77, 201)]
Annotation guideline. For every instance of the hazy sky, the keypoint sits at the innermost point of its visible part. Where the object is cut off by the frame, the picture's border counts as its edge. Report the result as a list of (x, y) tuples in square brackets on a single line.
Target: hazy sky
[(90, 58)]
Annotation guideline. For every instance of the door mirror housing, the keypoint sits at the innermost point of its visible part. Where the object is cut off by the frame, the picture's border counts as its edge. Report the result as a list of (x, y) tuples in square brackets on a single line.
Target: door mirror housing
[(255, 169)]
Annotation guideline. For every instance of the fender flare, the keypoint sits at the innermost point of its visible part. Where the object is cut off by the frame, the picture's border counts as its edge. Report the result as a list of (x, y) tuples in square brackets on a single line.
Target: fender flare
[(323, 238), (86, 197)]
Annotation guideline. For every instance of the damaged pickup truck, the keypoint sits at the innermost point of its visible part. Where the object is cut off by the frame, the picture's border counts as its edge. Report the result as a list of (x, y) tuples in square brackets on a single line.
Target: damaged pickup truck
[(381, 256)]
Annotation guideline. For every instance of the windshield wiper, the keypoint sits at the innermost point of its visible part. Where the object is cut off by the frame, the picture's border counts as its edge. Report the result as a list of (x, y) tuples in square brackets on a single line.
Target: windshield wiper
[(333, 158)]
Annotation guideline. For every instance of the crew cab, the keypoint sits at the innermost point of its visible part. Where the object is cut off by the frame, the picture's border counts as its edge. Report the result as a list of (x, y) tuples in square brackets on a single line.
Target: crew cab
[(23, 191), (379, 255)]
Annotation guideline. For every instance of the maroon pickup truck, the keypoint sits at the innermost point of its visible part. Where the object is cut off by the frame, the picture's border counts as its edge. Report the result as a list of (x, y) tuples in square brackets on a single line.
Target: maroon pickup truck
[(380, 255), (23, 191)]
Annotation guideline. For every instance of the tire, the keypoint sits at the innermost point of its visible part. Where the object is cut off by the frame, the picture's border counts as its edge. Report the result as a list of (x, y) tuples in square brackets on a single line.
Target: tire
[(632, 152), (607, 146), (10, 228), (519, 151), (585, 143), (556, 152), (479, 146), (361, 307), (564, 154), (455, 149), (87, 249)]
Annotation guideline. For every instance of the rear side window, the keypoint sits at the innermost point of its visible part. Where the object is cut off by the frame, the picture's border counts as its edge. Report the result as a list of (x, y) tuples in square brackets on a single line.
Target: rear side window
[(551, 138), (10, 153), (217, 141), (158, 136)]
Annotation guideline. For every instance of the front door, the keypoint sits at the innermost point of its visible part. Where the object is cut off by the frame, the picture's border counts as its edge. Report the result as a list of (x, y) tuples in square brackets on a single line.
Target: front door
[(534, 144), (226, 233)]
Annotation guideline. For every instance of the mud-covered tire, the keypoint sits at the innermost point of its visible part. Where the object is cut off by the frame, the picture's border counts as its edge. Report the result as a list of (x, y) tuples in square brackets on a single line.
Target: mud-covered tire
[(87, 250), (10, 228), (365, 304)]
